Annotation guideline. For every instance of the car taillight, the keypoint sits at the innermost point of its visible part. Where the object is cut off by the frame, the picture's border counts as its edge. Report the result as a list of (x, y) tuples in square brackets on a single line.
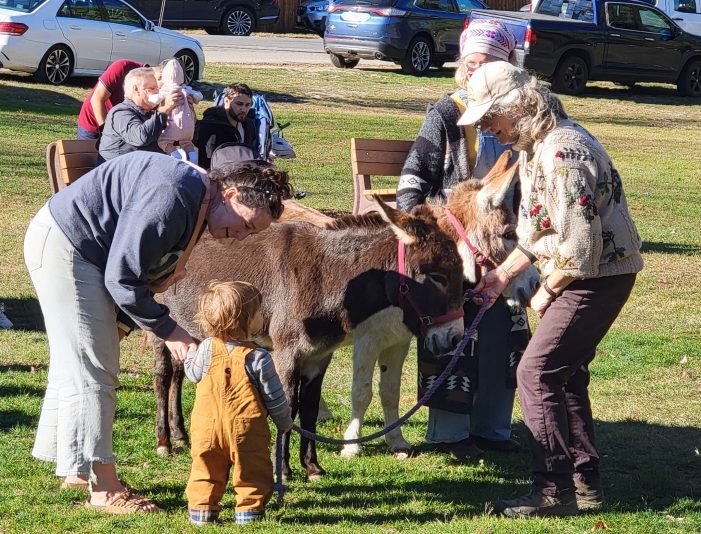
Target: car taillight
[(332, 8), (467, 23), (529, 39), (13, 28), (389, 12), (530, 7)]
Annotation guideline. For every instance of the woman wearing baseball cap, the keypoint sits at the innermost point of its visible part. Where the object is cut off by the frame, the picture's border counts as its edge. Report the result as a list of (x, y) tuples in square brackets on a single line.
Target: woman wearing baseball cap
[(574, 221), (462, 423)]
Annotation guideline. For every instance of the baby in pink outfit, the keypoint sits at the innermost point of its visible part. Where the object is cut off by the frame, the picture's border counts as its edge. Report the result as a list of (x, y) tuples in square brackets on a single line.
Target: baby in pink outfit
[(181, 119)]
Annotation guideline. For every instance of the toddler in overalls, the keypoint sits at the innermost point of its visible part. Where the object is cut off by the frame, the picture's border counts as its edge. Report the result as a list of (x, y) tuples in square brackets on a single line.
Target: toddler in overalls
[(237, 387), (176, 138)]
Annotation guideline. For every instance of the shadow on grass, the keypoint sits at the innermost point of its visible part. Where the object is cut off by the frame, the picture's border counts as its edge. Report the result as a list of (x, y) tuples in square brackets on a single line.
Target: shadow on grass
[(25, 313), (30, 96), (10, 419), (640, 94), (684, 249), (644, 467)]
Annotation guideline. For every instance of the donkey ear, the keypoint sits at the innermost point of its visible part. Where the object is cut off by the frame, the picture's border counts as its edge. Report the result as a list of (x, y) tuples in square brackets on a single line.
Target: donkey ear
[(497, 184), (398, 221)]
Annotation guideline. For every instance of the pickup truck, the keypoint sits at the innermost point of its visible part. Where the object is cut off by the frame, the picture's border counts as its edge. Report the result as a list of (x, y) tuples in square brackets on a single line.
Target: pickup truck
[(625, 41)]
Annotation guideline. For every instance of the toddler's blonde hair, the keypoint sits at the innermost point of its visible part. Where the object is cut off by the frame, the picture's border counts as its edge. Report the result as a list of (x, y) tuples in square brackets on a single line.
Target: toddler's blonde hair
[(226, 309)]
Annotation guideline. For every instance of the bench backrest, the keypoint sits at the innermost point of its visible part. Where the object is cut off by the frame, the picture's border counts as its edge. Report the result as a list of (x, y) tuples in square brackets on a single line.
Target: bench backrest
[(375, 157), (69, 159)]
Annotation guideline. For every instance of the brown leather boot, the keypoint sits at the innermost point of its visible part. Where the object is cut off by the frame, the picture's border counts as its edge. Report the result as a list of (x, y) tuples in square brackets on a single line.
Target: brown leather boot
[(536, 504)]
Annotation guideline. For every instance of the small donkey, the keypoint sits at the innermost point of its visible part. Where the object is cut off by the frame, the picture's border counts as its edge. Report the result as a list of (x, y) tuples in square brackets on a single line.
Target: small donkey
[(320, 286)]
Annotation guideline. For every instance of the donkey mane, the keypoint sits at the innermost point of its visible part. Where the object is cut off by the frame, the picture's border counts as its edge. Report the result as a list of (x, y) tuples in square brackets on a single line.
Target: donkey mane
[(372, 220)]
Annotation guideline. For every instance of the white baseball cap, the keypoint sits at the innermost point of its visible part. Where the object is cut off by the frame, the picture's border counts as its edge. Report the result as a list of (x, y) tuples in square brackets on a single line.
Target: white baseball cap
[(488, 83)]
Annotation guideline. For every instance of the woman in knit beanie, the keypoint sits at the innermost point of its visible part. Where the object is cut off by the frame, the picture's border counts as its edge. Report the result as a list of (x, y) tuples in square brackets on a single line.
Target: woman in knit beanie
[(574, 221), (462, 423)]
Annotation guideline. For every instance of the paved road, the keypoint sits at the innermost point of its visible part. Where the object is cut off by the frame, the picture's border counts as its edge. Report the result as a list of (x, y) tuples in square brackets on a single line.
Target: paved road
[(264, 50), (270, 51)]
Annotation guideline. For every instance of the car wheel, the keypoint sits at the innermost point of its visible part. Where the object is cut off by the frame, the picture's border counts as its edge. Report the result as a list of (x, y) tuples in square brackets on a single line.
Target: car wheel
[(189, 63), (55, 67), (343, 63), (238, 21), (570, 76), (689, 83), (418, 57)]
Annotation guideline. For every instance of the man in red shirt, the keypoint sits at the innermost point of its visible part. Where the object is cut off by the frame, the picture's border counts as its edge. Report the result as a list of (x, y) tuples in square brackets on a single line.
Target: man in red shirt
[(108, 91)]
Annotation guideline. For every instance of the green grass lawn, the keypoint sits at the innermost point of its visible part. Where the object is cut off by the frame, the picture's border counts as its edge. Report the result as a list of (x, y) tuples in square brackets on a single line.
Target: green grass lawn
[(646, 379)]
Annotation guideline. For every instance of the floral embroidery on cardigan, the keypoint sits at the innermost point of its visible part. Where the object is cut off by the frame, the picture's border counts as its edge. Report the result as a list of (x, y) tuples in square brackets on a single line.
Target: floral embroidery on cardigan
[(611, 185), (617, 253), (563, 262), (581, 198), (577, 154), (538, 214)]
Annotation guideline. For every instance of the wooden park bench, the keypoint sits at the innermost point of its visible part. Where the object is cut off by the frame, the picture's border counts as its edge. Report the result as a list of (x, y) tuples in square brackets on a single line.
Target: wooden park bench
[(69, 159), (373, 158)]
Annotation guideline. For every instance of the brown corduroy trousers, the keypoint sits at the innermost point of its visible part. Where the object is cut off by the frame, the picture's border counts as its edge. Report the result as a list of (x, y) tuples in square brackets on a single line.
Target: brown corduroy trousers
[(553, 380)]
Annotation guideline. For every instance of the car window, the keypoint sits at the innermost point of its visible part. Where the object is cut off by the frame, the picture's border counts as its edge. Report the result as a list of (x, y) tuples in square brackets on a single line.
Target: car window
[(685, 6), (21, 5), (568, 9), (435, 5), (622, 16), (652, 21), (80, 9), (464, 6), (120, 13)]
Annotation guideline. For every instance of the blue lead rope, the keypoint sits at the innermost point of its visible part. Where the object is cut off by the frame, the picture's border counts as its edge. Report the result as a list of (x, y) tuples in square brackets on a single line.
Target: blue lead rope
[(280, 487)]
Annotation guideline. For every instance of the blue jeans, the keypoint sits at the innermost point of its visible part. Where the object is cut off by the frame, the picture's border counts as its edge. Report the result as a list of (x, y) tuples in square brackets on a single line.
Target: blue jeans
[(494, 401), (82, 133)]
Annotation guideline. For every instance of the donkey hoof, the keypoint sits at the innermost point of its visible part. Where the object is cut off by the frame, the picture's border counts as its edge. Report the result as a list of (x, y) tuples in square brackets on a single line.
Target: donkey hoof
[(350, 451), (314, 477), (403, 454), (179, 446), (315, 473), (163, 451)]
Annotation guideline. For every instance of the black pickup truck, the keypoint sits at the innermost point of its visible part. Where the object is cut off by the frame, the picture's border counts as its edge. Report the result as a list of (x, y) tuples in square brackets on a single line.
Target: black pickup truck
[(623, 41)]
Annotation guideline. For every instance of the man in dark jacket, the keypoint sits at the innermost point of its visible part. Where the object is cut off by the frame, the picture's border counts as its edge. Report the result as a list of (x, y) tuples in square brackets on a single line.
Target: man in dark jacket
[(232, 122), (136, 123)]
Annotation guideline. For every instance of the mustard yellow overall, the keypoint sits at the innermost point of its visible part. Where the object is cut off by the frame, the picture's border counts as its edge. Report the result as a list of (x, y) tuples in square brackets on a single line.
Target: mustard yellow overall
[(229, 428)]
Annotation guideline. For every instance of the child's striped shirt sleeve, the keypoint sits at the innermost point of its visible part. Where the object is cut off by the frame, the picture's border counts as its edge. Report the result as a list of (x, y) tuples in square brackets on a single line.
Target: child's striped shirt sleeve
[(260, 367)]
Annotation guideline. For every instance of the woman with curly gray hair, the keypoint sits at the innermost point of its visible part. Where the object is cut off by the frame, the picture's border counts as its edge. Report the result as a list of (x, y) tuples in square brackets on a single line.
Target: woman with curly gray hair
[(574, 221)]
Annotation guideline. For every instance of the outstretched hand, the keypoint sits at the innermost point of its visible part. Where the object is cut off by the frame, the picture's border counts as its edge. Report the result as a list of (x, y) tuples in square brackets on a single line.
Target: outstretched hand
[(179, 342), (491, 286)]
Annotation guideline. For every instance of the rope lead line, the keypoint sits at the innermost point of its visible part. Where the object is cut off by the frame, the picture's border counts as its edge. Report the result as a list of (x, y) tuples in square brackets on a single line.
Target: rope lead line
[(280, 487)]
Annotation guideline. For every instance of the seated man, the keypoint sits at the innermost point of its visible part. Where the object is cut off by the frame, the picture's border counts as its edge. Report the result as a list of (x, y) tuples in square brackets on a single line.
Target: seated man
[(232, 122), (136, 123), (107, 93)]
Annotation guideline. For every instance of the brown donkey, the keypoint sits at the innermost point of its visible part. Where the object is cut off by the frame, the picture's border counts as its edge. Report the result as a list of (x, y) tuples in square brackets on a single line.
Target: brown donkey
[(320, 287), (484, 212)]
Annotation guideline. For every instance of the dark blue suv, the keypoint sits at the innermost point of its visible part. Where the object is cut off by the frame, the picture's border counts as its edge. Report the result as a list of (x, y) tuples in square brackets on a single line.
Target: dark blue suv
[(416, 34)]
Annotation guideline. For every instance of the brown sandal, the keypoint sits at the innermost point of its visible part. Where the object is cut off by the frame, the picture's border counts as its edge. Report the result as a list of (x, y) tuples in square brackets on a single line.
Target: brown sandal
[(126, 502)]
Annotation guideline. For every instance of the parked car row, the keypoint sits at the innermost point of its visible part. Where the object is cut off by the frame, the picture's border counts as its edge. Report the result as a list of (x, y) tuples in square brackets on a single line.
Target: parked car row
[(57, 39), (623, 41)]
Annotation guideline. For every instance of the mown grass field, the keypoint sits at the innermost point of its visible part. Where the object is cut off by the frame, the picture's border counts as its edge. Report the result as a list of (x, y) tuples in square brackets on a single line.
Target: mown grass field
[(646, 379)]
